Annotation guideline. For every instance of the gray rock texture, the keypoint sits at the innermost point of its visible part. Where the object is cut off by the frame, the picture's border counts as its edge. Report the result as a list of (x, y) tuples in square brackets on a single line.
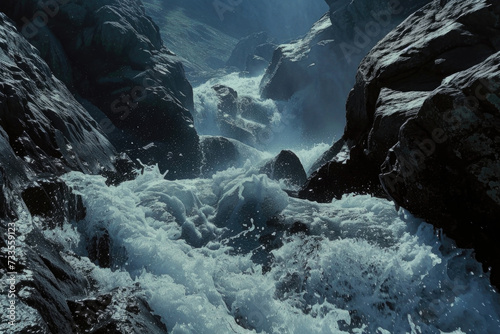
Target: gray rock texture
[(318, 70), (45, 132), (423, 122), (111, 54)]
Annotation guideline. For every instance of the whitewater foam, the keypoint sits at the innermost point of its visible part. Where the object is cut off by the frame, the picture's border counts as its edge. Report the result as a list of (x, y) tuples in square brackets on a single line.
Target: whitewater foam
[(362, 268)]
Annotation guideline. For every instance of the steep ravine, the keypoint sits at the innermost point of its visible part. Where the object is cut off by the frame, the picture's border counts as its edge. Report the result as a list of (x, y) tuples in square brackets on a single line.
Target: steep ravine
[(218, 233)]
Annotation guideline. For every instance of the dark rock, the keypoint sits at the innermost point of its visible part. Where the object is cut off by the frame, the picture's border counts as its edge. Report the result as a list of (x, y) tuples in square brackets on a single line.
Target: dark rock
[(43, 125), (240, 118), (281, 82), (118, 63), (99, 249), (53, 200), (416, 47), (336, 178), (44, 132), (125, 170), (218, 154), (286, 166), (445, 167), (228, 100), (122, 310), (6, 200), (318, 70), (299, 227), (423, 116), (48, 283)]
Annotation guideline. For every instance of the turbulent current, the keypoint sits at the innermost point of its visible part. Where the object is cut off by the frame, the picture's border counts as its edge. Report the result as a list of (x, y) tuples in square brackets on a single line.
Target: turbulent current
[(235, 254)]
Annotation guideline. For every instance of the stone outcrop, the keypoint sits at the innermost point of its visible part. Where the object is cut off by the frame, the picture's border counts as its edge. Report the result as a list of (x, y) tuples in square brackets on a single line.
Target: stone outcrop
[(44, 132), (110, 53), (285, 166), (318, 70), (423, 123), (43, 128)]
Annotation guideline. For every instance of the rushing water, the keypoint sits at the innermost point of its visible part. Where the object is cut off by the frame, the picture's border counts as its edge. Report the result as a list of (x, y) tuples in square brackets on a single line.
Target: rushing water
[(234, 254), (361, 268)]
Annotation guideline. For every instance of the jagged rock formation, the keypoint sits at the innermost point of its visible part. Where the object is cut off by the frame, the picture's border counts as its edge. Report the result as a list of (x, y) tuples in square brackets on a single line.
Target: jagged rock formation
[(111, 54), (44, 129), (319, 69), (424, 114), (44, 132)]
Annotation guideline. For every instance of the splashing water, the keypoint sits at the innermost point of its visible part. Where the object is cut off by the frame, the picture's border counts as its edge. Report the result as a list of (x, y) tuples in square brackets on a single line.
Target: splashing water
[(285, 128), (358, 266)]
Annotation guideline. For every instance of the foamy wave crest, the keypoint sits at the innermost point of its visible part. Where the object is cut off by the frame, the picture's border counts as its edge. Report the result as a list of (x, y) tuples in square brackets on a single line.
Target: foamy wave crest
[(355, 266)]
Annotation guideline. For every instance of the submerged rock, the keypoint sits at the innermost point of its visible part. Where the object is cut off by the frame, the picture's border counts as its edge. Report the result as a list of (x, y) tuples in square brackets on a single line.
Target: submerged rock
[(122, 310)]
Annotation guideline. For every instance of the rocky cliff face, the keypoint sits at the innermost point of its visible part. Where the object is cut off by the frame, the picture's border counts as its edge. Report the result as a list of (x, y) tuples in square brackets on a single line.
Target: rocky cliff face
[(111, 54), (423, 122), (204, 32), (319, 69), (45, 132)]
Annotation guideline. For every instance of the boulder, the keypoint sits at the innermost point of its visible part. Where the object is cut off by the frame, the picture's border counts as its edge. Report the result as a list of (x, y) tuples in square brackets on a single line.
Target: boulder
[(339, 177), (240, 117), (228, 100), (445, 166), (219, 154), (122, 310), (423, 123), (285, 166)]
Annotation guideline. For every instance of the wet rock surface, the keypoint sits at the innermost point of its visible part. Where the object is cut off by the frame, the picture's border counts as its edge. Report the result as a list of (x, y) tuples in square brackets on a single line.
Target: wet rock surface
[(240, 117), (44, 132), (286, 166), (423, 119), (111, 53), (122, 310), (319, 69)]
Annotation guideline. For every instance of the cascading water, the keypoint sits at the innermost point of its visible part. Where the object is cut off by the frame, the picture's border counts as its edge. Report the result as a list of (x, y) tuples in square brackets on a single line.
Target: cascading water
[(355, 266)]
